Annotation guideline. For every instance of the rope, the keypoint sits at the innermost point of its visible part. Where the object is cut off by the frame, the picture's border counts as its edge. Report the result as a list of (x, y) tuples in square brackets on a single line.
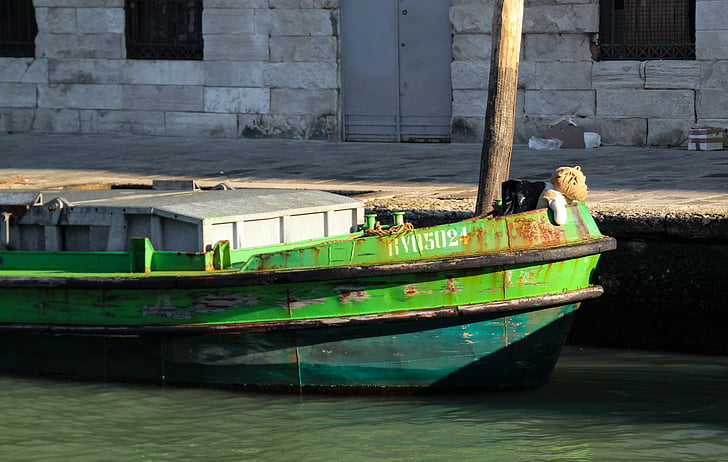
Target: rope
[(395, 229)]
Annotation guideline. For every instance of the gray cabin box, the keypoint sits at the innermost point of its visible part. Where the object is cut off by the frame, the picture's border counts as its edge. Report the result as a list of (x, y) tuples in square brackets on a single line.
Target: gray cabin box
[(185, 221)]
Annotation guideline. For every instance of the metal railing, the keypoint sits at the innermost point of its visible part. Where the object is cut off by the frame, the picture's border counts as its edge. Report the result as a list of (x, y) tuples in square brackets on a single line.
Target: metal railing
[(18, 28), (164, 29), (646, 29)]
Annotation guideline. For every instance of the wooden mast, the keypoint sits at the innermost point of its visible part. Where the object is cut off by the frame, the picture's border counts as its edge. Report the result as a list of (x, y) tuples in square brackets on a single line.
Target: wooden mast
[(495, 161)]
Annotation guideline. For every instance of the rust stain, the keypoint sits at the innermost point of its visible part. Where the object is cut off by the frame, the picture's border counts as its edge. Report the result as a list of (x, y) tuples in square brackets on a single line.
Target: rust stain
[(451, 287), (349, 294), (535, 232), (412, 290), (265, 261)]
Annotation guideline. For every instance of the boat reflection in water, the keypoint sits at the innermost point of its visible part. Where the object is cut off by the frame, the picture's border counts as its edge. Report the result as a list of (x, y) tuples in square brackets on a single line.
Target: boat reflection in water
[(600, 405)]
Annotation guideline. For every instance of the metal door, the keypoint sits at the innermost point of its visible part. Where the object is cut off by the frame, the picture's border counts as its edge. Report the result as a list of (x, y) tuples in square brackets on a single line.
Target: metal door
[(396, 58)]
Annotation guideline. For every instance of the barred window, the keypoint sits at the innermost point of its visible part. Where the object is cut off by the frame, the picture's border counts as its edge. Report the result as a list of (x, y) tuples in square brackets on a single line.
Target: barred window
[(646, 29), (18, 28), (163, 29)]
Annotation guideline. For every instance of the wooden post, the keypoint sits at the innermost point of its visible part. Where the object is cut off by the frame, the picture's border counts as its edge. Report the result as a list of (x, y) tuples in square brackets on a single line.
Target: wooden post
[(495, 160)]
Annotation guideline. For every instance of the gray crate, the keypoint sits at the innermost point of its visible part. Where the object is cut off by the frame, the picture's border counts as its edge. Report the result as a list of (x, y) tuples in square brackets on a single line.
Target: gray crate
[(185, 221)]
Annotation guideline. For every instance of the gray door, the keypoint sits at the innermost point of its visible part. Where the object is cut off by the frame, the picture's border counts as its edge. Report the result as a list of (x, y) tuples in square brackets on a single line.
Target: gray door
[(396, 58)]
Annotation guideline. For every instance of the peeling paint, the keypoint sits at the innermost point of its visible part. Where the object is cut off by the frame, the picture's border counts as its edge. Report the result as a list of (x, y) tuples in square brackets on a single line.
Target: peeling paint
[(211, 302), (298, 303), (528, 277), (163, 307), (351, 294), (204, 303)]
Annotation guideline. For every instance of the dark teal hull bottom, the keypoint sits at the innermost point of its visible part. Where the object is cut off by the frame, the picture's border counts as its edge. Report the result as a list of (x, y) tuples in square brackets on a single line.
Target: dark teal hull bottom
[(516, 351)]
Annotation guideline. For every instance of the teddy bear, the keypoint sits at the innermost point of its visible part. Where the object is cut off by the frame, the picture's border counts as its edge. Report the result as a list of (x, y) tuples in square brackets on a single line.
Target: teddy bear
[(567, 184)]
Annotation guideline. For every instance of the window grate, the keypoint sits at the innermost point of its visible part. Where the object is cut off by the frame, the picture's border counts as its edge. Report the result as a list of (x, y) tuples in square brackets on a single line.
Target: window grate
[(646, 29), (18, 28), (164, 29)]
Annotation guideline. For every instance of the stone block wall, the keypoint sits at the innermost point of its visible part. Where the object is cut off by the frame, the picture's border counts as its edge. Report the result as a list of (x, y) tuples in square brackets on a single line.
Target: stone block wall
[(627, 102), (270, 69)]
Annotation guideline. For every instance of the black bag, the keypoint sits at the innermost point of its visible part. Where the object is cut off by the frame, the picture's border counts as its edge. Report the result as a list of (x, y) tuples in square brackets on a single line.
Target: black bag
[(520, 195)]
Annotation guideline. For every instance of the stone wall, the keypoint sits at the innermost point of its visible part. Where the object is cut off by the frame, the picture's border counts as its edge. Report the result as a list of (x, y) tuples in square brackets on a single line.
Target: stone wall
[(628, 102), (270, 69)]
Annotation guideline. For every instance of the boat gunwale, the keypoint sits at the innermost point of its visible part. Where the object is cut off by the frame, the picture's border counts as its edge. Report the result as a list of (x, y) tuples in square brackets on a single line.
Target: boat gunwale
[(473, 313), (210, 280)]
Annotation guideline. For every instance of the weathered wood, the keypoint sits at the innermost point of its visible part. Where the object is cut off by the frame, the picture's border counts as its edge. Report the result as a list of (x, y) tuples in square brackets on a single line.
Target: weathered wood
[(500, 111)]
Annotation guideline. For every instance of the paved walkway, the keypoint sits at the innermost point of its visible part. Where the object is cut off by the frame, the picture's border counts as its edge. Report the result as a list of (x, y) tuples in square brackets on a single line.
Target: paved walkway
[(426, 175)]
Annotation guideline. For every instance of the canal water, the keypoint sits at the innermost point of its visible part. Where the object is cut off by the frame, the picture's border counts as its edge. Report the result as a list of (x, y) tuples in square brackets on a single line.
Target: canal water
[(601, 405)]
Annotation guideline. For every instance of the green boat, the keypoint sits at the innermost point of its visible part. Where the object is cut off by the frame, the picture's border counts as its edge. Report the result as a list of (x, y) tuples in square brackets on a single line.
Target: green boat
[(309, 298)]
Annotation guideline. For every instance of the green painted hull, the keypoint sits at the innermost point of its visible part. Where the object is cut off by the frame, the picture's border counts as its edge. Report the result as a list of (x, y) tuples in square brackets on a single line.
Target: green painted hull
[(478, 304), (515, 351)]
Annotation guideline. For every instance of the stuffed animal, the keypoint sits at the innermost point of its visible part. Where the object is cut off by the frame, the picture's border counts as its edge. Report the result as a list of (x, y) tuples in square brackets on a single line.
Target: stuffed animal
[(568, 184)]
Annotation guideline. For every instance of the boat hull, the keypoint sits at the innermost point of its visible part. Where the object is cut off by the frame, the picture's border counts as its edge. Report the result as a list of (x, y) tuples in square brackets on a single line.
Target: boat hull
[(483, 353), (478, 304)]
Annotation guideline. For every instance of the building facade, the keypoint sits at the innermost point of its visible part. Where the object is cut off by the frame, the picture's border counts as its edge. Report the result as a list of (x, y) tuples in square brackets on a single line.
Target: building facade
[(380, 70)]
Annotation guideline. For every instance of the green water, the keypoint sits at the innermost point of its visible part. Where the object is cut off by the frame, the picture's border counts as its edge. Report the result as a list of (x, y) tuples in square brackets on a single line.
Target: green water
[(601, 405)]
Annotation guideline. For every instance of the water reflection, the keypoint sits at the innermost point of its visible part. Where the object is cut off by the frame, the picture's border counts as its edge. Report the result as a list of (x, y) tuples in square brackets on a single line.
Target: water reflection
[(601, 405)]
